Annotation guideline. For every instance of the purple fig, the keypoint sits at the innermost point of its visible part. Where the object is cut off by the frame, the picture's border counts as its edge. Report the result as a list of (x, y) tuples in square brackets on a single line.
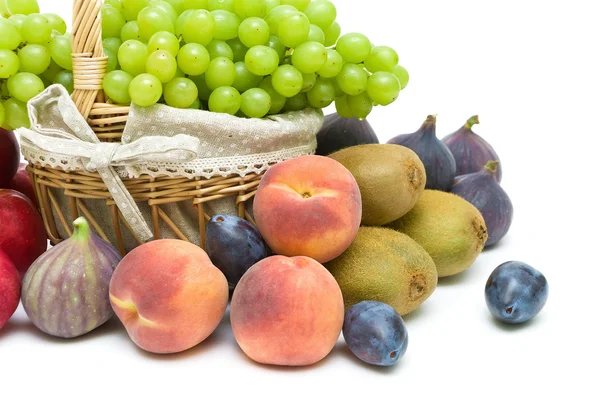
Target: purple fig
[(338, 133), (483, 191), (470, 150), (439, 163)]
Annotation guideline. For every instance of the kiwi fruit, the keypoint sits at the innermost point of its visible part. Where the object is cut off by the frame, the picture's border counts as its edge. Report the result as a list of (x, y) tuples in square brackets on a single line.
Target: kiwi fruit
[(387, 266), (448, 227), (391, 179)]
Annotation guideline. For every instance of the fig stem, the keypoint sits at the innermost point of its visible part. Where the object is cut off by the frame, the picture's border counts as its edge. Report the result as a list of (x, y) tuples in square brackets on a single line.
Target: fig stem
[(492, 166), (474, 120), (81, 229)]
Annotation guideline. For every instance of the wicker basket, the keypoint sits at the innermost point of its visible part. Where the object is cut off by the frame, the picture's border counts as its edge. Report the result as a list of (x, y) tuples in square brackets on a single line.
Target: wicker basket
[(108, 122)]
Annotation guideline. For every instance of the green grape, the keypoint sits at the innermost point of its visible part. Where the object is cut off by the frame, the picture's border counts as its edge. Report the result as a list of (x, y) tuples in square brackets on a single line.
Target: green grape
[(199, 28), (308, 81), (61, 51), (132, 57), (321, 13), (360, 106), (179, 73), (115, 3), (1, 114), (25, 7), (287, 80), (226, 5), (333, 65), (294, 29), (145, 90), (332, 34), (17, 20), (164, 41), (34, 58), (220, 72), (4, 94), (342, 107), (276, 45), (256, 103), (180, 93), (50, 73), (195, 4), (112, 22), (316, 34), (227, 24), (10, 37), (152, 20), (309, 57), (203, 89), (162, 65), (226, 100), (382, 58), (196, 105), (24, 86), (244, 79), (57, 23), (352, 79), (276, 15), (338, 90), (277, 101), (65, 78), (116, 86), (271, 4), (111, 44), (238, 48), (219, 48), (262, 60), (254, 31), (296, 103), (177, 5), (166, 7), (354, 47), (250, 8), (300, 5), (9, 63), (181, 20), (322, 94), (193, 59), (131, 8), (402, 75), (36, 29), (15, 114), (383, 88), (130, 31), (113, 60)]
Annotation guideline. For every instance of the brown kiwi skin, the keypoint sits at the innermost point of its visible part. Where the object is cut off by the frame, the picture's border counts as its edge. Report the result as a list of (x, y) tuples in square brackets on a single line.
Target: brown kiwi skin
[(387, 266), (391, 179), (448, 227)]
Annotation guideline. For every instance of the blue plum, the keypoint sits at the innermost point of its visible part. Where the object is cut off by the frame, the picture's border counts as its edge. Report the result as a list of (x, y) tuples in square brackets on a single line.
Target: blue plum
[(375, 333), (234, 245), (516, 292)]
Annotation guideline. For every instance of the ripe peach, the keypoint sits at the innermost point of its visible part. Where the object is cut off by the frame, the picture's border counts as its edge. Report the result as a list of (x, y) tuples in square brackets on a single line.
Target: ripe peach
[(308, 206), (287, 311), (169, 295)]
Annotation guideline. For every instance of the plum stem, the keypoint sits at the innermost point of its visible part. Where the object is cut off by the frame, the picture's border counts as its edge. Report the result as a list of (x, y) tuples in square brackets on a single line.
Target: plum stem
[(474, 120), (81, 229), (492, 166)]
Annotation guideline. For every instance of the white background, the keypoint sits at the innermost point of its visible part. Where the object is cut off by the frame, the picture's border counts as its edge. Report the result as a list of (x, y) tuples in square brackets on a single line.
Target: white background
[(531, 70)]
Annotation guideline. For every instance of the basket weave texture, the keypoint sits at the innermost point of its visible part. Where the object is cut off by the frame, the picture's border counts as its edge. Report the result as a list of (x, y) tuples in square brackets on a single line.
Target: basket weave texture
[(63, 196)]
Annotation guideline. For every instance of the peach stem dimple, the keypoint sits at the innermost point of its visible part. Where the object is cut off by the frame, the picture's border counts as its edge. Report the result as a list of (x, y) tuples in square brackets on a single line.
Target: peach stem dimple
[(132, 309)]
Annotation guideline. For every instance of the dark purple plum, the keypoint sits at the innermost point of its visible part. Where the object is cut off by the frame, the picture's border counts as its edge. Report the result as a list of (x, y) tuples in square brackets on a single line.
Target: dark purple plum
[(471, 152), (234, 245), (338, 133), (439, 163), (516, 292), (375, 333), (483, 191)]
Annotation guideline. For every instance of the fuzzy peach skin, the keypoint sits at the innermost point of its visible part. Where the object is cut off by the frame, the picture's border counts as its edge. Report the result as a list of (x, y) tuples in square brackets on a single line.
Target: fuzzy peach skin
[(287, 311), (169, 295), (308, 206)]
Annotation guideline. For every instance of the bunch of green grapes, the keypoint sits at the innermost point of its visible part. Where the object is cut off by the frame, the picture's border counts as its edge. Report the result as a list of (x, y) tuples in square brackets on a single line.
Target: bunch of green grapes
[(35, 52), (244, 57)]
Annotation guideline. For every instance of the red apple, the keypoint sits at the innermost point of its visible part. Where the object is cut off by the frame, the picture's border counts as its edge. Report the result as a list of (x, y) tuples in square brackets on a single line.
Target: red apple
[(10, 155), (22, 183), (10, 288), (22, 234)]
